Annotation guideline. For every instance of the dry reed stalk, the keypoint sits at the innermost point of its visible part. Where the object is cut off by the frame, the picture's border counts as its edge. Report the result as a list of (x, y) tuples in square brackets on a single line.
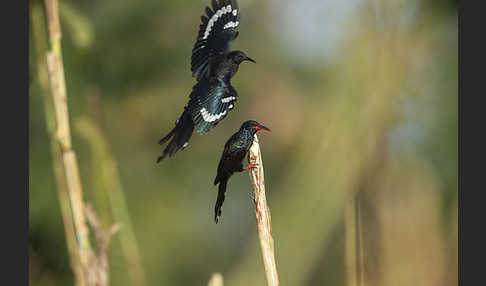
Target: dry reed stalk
[(63, 133), (262, 213), (216, 280), (100, 268), (39, 34)]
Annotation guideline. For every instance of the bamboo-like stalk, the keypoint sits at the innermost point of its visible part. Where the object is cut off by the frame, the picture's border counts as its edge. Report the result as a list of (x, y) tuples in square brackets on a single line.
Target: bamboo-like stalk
[(216, 280), (100, 268), (63, 133), (262, 213), (39, 34)]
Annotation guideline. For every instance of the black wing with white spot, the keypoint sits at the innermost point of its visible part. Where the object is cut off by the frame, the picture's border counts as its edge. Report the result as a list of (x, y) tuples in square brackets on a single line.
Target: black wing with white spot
[(216, 32), (209, 104)]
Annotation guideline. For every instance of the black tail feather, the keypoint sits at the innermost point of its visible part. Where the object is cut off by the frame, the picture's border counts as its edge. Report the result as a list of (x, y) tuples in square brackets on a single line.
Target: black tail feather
[(181, 134), (220, 200)]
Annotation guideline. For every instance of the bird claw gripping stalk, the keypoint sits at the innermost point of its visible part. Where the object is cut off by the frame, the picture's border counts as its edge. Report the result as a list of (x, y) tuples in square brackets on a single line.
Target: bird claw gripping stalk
[(251, 166)]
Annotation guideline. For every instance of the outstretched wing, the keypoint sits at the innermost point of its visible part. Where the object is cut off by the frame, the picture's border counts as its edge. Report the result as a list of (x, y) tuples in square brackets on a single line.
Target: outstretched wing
[(210, 103), (216, 32)]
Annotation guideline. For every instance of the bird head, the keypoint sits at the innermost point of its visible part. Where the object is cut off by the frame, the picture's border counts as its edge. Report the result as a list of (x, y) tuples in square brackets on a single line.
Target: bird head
[(253, 126), (238, 57)]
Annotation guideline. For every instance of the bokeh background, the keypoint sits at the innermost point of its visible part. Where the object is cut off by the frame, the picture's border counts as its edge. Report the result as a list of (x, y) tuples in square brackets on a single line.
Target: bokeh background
[(361, 163)]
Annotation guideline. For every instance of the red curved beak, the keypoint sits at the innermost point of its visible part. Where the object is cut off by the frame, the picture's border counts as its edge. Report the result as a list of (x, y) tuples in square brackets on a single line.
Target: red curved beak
[(261, 127)]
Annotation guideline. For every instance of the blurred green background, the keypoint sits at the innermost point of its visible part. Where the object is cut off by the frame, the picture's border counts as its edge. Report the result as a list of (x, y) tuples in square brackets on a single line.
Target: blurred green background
[(361, 97)]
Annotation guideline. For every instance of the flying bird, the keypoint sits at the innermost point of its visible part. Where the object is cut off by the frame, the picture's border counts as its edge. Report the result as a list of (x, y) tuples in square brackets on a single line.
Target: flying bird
[(213, 65), (231, 161)]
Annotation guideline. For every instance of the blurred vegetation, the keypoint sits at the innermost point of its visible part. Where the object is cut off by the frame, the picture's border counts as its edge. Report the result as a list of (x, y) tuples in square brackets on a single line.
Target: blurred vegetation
[(374, 121)]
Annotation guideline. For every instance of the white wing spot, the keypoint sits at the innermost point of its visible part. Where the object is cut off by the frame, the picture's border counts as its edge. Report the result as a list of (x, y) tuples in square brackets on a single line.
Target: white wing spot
[(215, 17), (208, 117), (235, 12), (185, 145), (227, 99), (210, 25), (230, 24)]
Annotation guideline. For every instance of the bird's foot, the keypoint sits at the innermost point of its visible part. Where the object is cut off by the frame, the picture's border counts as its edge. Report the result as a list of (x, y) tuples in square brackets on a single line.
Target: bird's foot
[(250, 166)]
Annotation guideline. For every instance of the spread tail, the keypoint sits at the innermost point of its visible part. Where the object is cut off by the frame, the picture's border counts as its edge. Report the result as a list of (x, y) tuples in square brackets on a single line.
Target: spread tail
[(180, 135), (220, 200)]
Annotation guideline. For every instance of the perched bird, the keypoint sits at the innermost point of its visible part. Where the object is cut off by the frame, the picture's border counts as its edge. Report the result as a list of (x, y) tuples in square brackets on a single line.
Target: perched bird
[(231, 161), (213, 65)]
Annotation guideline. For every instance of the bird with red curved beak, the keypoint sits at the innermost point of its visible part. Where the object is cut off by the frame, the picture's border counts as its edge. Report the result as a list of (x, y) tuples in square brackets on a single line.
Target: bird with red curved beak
[(235, 151)]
